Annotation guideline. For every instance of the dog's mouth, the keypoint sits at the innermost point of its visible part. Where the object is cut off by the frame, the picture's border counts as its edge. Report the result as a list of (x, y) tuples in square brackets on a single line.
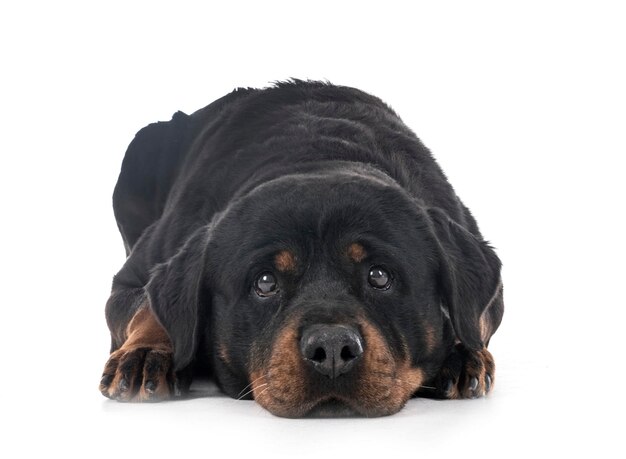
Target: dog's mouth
[(380, 384), (372, 395), (332, 408)]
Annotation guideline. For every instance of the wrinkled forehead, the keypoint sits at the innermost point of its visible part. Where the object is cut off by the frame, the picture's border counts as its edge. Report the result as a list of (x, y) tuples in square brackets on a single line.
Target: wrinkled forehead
[(324, 206), (319, 213)]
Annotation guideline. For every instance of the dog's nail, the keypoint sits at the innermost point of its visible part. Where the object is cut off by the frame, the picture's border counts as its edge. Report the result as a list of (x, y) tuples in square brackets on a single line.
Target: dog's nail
[(487, 383), (123, 385), (473, 385), (106, 380), (449, 385), (150, 386)]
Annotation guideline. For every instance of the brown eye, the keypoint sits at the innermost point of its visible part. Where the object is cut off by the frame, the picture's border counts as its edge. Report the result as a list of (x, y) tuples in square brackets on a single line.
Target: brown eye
[(265, 284), (379, 278)]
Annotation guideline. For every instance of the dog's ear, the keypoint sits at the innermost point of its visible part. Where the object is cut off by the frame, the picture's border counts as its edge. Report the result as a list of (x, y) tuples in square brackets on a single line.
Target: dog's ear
[(175, 292), (470, 282)]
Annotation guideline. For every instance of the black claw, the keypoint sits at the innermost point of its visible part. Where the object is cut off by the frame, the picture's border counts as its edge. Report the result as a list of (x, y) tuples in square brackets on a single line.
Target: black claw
[(449, 385), (106, 380), (123, 385), (150, 386), (473, 384), (487, 383)]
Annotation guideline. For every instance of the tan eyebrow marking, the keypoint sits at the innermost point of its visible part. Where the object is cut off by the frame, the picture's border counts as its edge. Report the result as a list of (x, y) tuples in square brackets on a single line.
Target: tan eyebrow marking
[(285, 261), (356, 252)]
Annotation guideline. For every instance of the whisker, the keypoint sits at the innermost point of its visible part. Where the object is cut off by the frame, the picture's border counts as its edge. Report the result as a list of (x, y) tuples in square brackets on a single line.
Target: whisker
[(419, 387), (262, 376), (252, 390), (259, 394)]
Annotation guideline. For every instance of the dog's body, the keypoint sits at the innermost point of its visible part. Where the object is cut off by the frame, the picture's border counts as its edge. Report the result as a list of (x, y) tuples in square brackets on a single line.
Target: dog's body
[(298, 243)]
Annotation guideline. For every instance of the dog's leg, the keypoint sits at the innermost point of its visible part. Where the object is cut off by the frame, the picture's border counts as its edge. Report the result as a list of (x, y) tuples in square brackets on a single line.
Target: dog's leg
[(140, 365)]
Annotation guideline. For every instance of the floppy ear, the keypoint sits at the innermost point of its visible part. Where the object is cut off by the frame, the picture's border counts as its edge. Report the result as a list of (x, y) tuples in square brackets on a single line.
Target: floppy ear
[(470, 282), (175, 291)]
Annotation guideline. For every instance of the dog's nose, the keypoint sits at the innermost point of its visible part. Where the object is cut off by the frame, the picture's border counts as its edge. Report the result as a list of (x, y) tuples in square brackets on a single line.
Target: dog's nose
[(331, 349)]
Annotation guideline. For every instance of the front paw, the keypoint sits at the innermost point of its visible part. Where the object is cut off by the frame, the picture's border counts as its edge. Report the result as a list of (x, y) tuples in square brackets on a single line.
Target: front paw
[(139, 374), (465, 374)]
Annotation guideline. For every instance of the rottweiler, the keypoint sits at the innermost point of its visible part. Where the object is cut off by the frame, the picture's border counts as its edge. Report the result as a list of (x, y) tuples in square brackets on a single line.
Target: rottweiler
[(299, 245)]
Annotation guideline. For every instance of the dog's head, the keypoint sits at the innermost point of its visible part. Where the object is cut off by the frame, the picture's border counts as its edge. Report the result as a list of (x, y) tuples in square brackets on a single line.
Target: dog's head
[(326, 291)]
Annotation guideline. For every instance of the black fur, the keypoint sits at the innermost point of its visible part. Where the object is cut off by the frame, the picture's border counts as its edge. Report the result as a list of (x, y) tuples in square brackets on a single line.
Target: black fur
[(204, 202)]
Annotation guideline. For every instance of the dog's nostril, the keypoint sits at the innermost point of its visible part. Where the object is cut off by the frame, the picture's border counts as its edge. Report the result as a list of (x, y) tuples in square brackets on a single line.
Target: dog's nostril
[(347, 354), (319, 355)]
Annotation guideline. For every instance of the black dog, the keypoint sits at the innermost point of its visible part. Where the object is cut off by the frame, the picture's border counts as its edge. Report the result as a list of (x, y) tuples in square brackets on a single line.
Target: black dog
[(301, 246)]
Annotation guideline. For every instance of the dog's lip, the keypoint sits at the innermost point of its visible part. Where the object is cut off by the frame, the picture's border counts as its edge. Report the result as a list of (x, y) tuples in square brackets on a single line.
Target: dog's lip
[(332, 408), (331, 404)]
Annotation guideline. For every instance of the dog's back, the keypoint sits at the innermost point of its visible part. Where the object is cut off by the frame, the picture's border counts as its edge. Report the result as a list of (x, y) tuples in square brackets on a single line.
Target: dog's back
[(197, 163)]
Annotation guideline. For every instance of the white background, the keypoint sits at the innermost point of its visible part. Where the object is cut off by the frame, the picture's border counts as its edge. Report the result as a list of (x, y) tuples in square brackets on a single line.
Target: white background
[(523, 105)]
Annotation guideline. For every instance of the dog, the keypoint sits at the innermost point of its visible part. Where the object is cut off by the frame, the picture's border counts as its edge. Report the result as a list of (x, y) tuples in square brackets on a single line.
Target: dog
[(299, 245)]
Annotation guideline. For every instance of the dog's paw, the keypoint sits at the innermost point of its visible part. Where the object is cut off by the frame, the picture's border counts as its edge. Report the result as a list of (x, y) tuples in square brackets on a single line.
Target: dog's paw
[(465, 374), (139, 374)]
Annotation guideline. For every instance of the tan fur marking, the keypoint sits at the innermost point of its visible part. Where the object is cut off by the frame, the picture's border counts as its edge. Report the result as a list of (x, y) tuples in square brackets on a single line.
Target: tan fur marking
[(387, 383), (430, 338), (222, 353), (490, 366), (485, 324), (485, 328), (144, 330), (285, 261), (454, 394), (280, 387), (356, 252), (409, 379)]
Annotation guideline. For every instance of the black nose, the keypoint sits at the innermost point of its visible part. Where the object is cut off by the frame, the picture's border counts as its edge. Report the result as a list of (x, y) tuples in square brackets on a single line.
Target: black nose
[(331, 349)]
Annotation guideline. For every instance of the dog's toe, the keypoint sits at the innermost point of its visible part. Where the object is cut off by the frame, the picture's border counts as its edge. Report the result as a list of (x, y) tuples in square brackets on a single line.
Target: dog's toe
[(464, 374), (138, 375)]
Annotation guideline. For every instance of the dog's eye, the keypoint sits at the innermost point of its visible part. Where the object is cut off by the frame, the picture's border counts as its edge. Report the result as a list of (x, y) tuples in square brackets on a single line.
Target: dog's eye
[(265, 284), (379, 278)]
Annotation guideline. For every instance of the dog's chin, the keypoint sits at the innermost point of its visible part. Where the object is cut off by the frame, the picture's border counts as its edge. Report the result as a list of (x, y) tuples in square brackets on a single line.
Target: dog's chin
[(335, 408), (332, 408)]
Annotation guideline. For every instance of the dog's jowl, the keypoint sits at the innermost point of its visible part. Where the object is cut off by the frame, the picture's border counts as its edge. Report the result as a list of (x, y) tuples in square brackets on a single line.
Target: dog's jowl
[(300, 246)]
